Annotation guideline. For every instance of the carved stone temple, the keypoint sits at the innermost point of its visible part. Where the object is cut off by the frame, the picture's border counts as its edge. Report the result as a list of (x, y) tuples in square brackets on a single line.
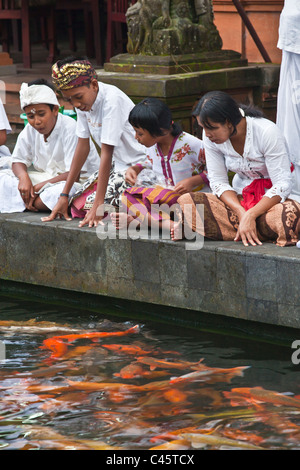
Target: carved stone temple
[(172, 36), (175, 54), (171, 27)]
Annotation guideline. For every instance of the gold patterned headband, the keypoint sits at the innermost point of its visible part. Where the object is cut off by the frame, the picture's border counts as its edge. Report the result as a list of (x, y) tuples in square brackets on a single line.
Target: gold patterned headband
[(73, 74)]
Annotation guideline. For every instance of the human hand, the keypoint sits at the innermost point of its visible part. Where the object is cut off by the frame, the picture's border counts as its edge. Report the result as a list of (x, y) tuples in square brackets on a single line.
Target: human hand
[(93, 217), (26, 189), (184, 186), (60, 209), (247, 231), (131, 176), (30, 206)]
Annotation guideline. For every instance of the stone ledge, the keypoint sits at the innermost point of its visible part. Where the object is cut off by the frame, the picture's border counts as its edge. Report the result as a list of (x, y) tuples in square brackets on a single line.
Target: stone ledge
[(223, 278)]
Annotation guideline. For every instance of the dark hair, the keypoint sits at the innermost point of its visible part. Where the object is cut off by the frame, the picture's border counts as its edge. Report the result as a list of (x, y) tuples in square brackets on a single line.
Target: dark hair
[(43, 81), (154, 116), (219, 107)]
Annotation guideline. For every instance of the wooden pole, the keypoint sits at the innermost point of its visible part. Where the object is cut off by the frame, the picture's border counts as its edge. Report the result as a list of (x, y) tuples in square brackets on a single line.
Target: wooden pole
[(251, 30)]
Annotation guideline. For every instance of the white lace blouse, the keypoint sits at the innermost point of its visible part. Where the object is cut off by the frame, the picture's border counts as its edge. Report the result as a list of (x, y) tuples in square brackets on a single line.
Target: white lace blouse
[(265, 156)]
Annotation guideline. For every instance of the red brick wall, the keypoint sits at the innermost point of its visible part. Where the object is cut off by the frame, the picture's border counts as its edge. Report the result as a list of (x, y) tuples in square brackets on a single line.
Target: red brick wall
[(264, 16)]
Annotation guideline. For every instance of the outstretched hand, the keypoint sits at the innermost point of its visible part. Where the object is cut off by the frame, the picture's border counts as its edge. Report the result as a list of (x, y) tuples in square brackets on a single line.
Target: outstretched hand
[(60, 210), (92, 217)]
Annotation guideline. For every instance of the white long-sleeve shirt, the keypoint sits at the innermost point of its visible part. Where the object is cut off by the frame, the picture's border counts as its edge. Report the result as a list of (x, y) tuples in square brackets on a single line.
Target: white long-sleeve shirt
[(265, 156), (289, 27), (107, 122), (54, 156)]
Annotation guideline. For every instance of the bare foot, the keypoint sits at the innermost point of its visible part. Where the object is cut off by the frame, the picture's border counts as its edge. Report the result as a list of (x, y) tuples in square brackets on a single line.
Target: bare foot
[(176, 231), (121, 220)]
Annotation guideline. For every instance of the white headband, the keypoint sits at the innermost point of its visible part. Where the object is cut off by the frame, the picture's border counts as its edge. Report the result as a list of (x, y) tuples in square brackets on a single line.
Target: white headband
[(37, 94)]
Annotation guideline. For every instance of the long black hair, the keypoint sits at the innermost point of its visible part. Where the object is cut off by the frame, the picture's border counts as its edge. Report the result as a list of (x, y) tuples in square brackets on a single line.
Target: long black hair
[(219, 107), (154, 116)]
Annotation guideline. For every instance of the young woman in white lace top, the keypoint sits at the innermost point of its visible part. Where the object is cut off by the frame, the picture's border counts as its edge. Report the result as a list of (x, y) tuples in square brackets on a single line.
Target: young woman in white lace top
[(239, 139)]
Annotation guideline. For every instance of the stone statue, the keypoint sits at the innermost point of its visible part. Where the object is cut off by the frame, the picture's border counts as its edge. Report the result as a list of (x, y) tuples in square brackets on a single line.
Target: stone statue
[(171, 27)]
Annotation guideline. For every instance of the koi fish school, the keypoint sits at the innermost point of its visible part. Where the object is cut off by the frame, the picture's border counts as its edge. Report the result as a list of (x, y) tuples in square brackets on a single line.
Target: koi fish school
[(155, 459)]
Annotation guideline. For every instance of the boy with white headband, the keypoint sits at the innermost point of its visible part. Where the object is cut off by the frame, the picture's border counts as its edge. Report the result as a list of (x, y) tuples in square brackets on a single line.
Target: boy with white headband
[(47, 143)]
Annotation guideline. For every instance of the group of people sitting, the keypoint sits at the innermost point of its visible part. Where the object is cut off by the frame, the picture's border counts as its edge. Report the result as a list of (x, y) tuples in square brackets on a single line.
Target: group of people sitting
[(135, 159)]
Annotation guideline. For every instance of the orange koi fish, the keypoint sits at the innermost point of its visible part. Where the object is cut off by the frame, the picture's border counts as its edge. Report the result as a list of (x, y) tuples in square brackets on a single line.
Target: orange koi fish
[(78, 351), (262, 395), (242, 436), (47, 388), (124, 349), (135, 370), (158, 363), (95, 386), (129, 372), (175, 396), (55, 343), (118, 396)]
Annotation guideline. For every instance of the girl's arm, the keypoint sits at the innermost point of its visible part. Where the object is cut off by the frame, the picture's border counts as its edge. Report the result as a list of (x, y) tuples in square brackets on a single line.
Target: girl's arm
[(80, 156), (96, 213)]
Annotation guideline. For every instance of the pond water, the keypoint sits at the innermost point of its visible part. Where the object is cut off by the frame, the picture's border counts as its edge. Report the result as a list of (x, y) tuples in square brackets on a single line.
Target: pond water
[(77, 379)]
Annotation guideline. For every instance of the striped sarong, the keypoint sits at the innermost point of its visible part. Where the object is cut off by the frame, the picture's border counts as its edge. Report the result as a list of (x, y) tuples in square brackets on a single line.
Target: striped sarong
[(156, 201)]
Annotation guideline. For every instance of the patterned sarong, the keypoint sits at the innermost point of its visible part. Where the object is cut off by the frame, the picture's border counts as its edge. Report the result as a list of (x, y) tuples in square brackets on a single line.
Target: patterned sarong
[(221, 223), (156, 201), (83, 199)]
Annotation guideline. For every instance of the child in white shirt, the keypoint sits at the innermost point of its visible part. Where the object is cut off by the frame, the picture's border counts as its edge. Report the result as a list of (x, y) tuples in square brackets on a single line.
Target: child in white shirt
[(103, 112), (43, 153)]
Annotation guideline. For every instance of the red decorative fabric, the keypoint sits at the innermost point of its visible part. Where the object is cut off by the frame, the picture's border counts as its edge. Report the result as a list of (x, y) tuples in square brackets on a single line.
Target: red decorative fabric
[(253, 193)]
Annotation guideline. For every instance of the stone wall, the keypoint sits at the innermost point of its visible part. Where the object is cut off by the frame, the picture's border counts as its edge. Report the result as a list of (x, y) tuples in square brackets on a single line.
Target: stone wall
[(257, 284)]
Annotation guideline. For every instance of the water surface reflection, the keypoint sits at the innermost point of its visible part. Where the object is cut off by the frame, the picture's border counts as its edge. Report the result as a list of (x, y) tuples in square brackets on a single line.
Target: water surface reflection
[(81, 380)]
